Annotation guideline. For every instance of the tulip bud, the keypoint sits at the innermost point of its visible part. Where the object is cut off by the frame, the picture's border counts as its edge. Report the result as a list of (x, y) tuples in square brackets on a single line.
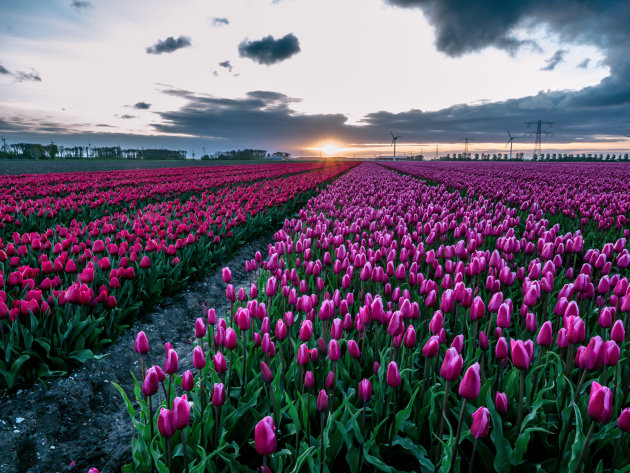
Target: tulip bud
[(365, 390), (471, 383), (309, 380), (181, 412), (353, 349), (600, 402), (172, 363), (501, 349), (212, 317), (220, 365), (521, 356), (265, 436), (227, 275), (481, 423), (303, 354), (151, 382), (545, 336), (200, 328), (431, 347), (199, 358), (477, 309), (322, 401), (334, 353), (218, 394), (501, 402), (624, 420), (165, 423), (187, 380), (611, 353), (375, 367), (618, 333), (393, 375), (266, 372), (458, 343), (230, 339), (142, 344), (306, 330), (451, 365), (483, 340), (330, 380)]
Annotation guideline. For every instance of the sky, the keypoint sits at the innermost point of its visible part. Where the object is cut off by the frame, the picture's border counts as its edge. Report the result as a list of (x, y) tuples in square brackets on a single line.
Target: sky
[(310, 77)]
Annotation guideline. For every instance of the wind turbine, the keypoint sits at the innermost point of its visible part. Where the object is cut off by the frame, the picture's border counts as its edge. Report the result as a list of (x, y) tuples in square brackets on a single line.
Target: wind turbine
[(509, 142), (394, 139)]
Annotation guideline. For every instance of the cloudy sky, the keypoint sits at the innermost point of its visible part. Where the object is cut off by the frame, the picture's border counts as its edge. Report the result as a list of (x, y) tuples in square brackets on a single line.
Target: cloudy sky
[(300, 75)]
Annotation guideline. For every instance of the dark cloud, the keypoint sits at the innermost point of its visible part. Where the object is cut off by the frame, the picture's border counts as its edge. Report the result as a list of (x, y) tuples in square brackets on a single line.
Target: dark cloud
[(32, 76), (264, 118), (554, 60), (226, 65), (584, 64), (169, 45), (269, 50), (142, 106), (80, 4), (462, 26), (127, 116), (220, 21), (4, 70)]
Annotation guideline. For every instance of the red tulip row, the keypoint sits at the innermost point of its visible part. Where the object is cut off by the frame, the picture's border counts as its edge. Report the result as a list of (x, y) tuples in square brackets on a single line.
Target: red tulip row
[(399, 287), (86, 279)]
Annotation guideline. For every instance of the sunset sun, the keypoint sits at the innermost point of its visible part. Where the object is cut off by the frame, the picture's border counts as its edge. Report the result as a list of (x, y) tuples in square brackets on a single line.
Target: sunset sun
[(331, 149)]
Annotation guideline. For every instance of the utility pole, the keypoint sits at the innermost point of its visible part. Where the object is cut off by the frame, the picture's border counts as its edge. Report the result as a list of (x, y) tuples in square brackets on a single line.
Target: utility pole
[(539, 132), (4, 144), (436, 151)]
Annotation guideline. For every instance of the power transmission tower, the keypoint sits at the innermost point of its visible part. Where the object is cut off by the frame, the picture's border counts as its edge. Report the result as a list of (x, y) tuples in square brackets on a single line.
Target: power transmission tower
[(4, 144), (466, 141), (539, 132)]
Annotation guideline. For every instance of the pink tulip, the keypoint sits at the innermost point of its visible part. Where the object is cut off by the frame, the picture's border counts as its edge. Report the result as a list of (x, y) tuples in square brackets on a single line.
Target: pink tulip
[(393, 375), (521, 354), (226, 274), (365, 390), (151, 382), (218, 394), (600, 403), (181, 412), (165, 423), (481, 423), (471, 382), (624, 420), (265, 436), (353, 349), (220, 365), (187, 380), (451, 365), (545, 335), (142, 343), (322, 401), (501, 402), (172, 363)]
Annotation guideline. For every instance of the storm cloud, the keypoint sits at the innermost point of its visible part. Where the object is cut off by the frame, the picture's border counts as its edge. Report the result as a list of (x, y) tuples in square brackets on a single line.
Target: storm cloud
[(269, 50), (462, 26), (142, 106), (554, 60), (169, 45), (267, 118), (4, 70)]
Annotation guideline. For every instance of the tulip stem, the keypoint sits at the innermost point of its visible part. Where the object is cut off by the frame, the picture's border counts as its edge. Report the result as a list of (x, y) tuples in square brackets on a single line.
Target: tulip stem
[(264, 464), (578, 469), (520, 401), (363, 440), (148, 400), (443, 416), (394, 397), (169, 449), (617, 450), (184, 448), (217, 421), (459, 431), (322, 451), (472, 457), (144, 373), (170, 387), (229, 376), (243, 380)]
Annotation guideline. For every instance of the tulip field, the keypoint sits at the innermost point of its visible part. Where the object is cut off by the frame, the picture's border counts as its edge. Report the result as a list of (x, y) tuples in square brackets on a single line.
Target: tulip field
[(406, 316), (412, 317), (81, 254)]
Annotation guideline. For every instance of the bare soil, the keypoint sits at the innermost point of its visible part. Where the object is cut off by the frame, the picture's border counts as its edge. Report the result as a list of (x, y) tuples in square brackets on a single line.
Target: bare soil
[(82, 417)]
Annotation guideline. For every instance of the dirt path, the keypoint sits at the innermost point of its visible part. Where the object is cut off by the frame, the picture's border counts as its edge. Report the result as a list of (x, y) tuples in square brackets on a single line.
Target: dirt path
[(82, 417)]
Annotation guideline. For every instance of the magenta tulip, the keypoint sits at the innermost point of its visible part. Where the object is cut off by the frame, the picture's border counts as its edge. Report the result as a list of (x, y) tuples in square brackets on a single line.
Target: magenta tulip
[(600, 403), (481, 423), (265, 436), (181, 412), (471, 382), (393, 375)]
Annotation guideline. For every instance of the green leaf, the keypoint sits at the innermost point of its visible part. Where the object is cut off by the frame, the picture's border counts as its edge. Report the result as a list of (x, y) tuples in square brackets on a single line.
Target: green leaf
[(130, 409), (417, 451)]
